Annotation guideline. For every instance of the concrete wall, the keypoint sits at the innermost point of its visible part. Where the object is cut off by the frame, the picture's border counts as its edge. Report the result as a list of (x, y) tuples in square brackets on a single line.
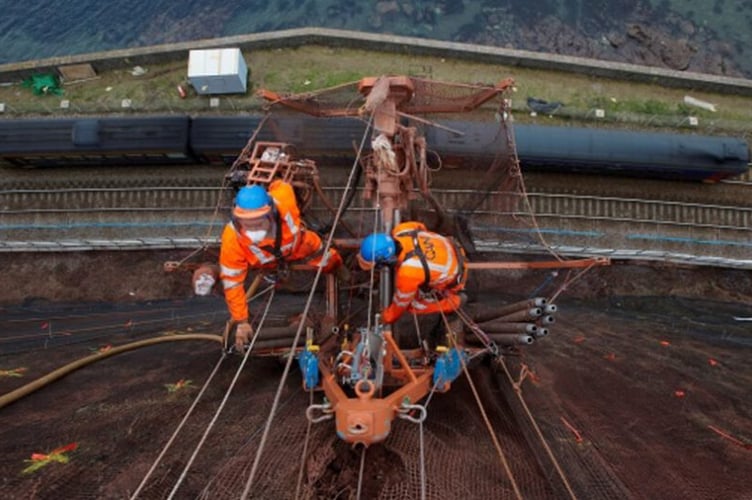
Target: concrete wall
[(116, 59)]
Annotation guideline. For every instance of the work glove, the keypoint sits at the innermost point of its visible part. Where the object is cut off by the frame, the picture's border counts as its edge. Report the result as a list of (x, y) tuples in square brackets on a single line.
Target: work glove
[(243, 334)]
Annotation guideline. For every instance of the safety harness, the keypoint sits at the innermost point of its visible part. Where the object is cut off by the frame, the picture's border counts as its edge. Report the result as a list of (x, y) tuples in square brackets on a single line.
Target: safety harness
[(417, 251), (276, 248)]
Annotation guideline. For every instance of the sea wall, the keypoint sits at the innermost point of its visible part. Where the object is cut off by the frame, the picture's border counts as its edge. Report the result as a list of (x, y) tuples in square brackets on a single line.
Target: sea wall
[(157, 54)]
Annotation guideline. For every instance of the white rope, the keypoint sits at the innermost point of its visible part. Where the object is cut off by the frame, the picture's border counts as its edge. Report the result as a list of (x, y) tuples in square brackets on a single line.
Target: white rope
[(224, 400), (484, 415), (286, 372), (360, 473), (305, 448), (179, 428), (422, 463)]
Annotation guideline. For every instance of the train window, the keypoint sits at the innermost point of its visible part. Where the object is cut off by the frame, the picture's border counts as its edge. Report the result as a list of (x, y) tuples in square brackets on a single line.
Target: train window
[(86, 132)]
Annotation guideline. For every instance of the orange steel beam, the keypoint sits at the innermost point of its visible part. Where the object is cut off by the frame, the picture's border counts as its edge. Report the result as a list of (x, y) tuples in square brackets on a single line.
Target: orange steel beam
[(395, 350), (549, 264), (333, 391), (413, 391), (309, 107), (365, 419), (403, 84), (353, 244)]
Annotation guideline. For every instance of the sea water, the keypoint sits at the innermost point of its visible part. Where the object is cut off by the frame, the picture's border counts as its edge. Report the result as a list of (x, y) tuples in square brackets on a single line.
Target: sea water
[(45, 28)]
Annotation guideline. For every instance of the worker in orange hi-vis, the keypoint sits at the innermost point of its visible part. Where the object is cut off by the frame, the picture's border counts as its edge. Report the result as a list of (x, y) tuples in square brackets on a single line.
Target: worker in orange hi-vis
[(265, 233), (429, 271)]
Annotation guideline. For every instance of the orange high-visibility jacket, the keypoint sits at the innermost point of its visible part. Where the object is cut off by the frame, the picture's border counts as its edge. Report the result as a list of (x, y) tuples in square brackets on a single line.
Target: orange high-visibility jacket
[(238, 252), (440, 269)]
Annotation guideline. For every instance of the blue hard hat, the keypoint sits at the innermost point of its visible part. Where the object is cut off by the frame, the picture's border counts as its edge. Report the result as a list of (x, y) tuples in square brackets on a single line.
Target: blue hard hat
[(252, 201), (377, 248)]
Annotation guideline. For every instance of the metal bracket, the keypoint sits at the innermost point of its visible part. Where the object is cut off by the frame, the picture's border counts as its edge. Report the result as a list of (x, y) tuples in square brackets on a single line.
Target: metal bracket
[(327, 413), (404, 413)]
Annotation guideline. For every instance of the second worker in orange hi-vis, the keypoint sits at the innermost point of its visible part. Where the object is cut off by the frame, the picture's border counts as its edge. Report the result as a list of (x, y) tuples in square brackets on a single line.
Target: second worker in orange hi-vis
[(265, 232), (429, 271)]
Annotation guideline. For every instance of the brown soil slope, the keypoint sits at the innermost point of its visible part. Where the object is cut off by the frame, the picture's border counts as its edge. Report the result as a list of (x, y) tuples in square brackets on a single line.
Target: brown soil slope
[(640, 391)]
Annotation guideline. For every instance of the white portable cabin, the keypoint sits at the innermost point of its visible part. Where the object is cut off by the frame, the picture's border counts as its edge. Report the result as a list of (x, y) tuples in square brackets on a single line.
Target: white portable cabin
[(217, 71)]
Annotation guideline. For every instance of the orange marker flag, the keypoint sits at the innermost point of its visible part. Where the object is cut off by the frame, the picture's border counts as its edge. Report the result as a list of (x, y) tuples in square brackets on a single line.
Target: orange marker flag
[(16, 372), (180, 384), (39, 460)]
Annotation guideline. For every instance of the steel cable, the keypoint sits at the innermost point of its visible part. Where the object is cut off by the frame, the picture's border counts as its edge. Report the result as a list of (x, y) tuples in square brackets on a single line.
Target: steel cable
[(305, 448), (179, 427), (530, 416), (360, 472), (226, 397), (286, 371), (489, 426)]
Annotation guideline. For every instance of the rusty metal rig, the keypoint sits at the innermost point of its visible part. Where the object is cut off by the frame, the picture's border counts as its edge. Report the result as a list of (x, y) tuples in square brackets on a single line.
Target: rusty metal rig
[(367, 376)]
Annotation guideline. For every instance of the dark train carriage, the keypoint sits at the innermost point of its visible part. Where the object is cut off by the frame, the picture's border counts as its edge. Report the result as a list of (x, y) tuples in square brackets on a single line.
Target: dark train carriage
[(219, 139), (96, 141), (650, 155), (334, 141), (466, 144), (324, 140), (600, 151)]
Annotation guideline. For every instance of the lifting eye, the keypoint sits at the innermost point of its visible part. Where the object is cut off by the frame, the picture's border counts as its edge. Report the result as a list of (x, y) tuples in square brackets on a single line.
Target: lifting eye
[(358, 429)]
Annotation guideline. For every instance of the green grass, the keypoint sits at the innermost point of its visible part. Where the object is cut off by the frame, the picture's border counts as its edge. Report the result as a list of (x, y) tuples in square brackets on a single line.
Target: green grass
[(307, 69)]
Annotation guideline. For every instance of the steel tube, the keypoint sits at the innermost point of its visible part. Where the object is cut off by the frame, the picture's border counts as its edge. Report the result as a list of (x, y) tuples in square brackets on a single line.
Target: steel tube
[(508, 327), (487, 314)]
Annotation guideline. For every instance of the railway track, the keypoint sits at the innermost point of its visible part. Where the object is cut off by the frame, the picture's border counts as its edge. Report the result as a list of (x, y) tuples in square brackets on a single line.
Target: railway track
[(129, 211), (57, 202), (127, 208)]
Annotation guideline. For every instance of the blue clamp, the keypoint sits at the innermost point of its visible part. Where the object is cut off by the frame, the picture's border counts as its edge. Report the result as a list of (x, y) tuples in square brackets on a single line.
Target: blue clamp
[(448, 367), (309, 366)]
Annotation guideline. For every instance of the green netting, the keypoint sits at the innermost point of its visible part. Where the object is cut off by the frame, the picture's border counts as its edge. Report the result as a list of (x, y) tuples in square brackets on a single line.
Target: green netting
[(43, 84)]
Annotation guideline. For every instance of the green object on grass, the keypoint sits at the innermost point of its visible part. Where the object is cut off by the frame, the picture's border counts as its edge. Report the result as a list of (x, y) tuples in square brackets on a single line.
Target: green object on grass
[(43, 84)]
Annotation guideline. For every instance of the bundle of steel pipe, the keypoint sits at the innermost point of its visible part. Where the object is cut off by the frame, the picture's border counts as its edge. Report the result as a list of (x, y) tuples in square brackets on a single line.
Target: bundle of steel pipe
[(483, 314), (504, 339), (275, 337), (517, 323)]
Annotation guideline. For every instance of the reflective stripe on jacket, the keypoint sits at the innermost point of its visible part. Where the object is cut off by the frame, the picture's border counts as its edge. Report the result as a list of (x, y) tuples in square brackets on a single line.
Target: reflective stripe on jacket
[(238, 252)]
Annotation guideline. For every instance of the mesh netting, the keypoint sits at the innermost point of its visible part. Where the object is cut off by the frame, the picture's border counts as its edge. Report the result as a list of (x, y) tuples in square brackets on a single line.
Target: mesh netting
[(469, 142), (627, 386)]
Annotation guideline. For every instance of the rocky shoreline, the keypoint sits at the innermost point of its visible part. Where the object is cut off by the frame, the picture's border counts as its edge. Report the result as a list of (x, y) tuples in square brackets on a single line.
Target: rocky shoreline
[(692, 36)]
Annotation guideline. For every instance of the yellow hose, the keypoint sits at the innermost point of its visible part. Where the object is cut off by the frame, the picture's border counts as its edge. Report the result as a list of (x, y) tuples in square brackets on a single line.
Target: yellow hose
[(42, 381)]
